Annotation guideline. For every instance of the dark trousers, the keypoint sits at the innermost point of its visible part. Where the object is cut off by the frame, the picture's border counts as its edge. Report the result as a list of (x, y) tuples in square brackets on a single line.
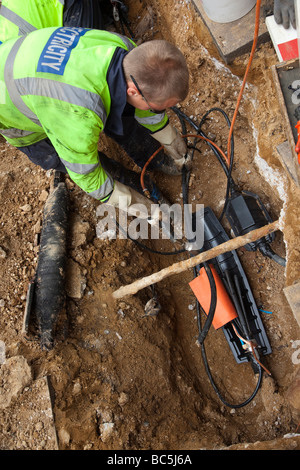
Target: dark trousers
[(137, 143), (84, 13)]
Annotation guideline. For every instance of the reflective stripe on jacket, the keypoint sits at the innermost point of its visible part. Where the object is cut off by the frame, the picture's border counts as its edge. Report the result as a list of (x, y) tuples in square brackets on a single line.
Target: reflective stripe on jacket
[(153, 122), (19, 17)]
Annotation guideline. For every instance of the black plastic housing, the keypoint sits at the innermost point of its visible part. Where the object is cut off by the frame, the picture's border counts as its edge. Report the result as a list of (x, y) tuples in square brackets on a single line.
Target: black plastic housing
[(245, 212), (229, 266)]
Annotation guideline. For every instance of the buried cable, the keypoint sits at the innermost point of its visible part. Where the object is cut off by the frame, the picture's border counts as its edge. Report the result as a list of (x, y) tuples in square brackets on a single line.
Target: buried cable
[(49, 292)]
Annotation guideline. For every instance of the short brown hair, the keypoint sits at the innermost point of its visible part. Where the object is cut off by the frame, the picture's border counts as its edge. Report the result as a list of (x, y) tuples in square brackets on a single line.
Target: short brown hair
[(160, 70)]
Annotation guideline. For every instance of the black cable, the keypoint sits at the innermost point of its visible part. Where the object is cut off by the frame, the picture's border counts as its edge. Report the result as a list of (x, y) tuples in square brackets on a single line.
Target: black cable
[(231, 186), (267, 251), (228, 171), (213, 289), (209, 374), (165, 253), (182, 116), (204, 331), (213, 303), (123, 19)]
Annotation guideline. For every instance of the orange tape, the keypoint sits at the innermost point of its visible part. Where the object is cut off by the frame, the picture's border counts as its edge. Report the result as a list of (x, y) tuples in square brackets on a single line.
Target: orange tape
[(225, 311)]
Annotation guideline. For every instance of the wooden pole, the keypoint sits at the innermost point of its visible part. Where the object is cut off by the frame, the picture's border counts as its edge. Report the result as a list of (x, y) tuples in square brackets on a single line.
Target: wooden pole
[(181, 266)]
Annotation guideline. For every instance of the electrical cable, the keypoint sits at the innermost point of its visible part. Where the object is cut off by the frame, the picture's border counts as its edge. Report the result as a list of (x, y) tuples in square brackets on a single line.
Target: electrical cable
[(230, 185), (225, 402), (202, 332), (213, 303), (208, 322), (151, 250), (267, 251), (185, 174), (216, 150), (209, 374)]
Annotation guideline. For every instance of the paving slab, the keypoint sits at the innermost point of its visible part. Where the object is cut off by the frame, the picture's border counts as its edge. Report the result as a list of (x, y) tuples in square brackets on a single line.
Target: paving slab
[(235, 38)]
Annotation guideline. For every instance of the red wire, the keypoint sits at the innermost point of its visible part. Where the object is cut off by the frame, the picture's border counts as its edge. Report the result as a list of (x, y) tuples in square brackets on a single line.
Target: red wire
[(160, 148)]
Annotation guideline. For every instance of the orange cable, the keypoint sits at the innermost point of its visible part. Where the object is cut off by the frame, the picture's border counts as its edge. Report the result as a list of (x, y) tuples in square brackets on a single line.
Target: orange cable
[(257, 15), (160, 148), (145, 190), (211, 142)]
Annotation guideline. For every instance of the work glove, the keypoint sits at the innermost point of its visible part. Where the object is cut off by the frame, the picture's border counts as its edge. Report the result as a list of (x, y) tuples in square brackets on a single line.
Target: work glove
[(174, 146), (135, 204), (284, 13)]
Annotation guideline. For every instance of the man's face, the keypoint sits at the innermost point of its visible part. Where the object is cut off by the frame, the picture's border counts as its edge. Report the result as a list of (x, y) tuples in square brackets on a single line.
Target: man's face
[(136, 99)]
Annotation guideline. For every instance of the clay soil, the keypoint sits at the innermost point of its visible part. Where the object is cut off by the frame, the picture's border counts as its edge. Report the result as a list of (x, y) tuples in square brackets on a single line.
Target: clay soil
[(122, 380)]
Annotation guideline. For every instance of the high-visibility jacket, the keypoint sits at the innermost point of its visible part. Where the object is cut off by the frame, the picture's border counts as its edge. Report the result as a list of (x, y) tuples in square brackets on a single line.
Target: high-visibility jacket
[(19, 17), (53, 83)]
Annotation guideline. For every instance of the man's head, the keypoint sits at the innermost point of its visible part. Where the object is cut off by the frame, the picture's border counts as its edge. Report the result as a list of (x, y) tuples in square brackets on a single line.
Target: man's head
[(156, 74)]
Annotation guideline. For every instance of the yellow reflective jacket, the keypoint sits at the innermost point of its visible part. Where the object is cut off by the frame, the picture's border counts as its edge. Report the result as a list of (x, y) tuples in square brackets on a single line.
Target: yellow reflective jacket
[(19, 17), (53, 84)]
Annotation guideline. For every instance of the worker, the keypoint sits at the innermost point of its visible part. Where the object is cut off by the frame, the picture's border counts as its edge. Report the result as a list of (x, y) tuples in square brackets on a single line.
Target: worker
[(63, 86), (18, 17), (284, 13)]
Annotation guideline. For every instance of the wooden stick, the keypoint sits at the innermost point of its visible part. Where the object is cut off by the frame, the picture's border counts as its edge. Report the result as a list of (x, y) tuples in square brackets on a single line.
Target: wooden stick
[(181, 266)]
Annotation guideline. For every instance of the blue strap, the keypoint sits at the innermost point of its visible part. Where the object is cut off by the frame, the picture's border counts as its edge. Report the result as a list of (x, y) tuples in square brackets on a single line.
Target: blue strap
[(155, 193)]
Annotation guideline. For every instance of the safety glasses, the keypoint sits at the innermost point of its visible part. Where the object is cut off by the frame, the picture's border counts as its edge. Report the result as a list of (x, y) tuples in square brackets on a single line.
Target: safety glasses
[(156, 111)]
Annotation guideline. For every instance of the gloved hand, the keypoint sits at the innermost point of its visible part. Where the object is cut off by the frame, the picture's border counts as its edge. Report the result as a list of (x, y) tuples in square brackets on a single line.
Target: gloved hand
[(284, 13), (174, 146), (135, 204)]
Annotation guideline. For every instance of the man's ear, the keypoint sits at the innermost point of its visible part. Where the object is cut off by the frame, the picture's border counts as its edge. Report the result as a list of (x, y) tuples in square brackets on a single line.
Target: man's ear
[(131, 89)]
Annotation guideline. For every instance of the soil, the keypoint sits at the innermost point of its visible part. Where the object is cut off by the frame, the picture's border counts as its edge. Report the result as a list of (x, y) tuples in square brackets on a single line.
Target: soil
[(117, 378)]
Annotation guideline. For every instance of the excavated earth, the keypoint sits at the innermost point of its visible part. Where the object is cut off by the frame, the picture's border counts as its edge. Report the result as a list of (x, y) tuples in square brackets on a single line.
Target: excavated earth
[(117, 378)]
